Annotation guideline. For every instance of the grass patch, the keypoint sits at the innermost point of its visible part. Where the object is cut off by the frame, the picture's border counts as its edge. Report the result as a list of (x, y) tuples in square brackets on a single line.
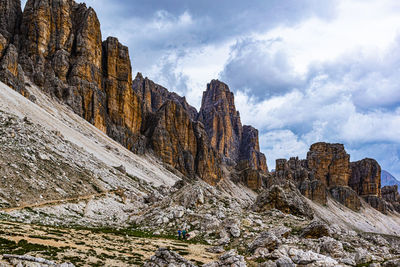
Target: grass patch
[(23, 247), (77, 261), (138, 233)]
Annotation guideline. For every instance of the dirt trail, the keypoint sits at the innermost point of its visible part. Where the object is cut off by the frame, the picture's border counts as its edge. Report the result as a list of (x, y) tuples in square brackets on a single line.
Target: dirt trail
[(118, 192)]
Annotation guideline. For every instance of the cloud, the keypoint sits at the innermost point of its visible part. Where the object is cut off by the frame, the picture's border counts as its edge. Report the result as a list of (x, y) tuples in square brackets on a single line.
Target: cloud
[(153, 30), (260, 66), (353, 99), (282, 144)]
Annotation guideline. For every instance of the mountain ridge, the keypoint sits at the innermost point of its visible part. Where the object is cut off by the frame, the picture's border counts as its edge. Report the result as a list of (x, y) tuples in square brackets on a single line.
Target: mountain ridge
[(58, 46)]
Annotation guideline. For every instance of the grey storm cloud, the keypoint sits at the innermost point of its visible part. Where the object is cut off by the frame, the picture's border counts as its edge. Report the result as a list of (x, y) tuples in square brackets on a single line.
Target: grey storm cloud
[(253, 67), (153, 28)]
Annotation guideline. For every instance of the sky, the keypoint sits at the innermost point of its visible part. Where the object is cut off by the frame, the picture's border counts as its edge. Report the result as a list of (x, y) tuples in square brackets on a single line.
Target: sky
[(303, 71)]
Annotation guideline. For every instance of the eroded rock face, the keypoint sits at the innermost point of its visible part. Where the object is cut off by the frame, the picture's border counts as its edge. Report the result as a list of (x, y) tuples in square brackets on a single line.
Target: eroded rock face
[(11, 72), (326, 170), (366, 177), (366, 181), (238, 145), (61, 51), (296, 170), (181, 143), (10, 18), (58, 45), (221, 120), (390, 193), (329, 163), (124, 107), (346, 196), (153, 96), (285, 198)]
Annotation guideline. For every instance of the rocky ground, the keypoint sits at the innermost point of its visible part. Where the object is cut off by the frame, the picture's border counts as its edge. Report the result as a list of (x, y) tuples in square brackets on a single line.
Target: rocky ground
[(221, 225)]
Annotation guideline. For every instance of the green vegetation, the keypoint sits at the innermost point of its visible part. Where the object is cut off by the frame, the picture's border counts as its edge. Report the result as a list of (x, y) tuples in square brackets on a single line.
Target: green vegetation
[(23, 247), (135, 232)]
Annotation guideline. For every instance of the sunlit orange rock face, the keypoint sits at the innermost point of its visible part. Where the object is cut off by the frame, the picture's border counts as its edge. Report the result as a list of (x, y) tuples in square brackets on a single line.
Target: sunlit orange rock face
[(330, 164)]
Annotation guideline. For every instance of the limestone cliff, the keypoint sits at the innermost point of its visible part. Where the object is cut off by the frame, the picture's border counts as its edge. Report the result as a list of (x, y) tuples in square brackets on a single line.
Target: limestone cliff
[(221, 120), (366, 177), (153, 96), (328, 171), (329, 163), (57, 45), (238, 145), (11, 72), (366, 181), (10, 18), (181, 143), (391, 195)]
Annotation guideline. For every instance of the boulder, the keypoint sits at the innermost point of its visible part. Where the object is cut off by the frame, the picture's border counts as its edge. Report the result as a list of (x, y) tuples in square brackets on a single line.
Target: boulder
[(285, 198), (309, 257), (164, 257), (230, 258), (265, 240), (331, 247), (316, 229)]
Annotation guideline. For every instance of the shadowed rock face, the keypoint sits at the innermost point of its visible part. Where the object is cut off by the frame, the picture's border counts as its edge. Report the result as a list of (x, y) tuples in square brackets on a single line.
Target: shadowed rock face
[(285, 198), (180, 142), (366, 181), (346, 196), (296, 171), (10, 18), (392, 197), (366, 177), (11, 72)]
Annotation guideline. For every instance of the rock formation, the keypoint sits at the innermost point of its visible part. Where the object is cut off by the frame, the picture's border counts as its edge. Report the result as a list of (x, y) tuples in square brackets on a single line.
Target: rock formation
[(58, 46), (153, 96), (10, 18), (392, 197), (329, 163), (325, 171), (238, 145), (221, 120), (295, 170), (366, 181), (174, 137), (366, 177), (285, 198)]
